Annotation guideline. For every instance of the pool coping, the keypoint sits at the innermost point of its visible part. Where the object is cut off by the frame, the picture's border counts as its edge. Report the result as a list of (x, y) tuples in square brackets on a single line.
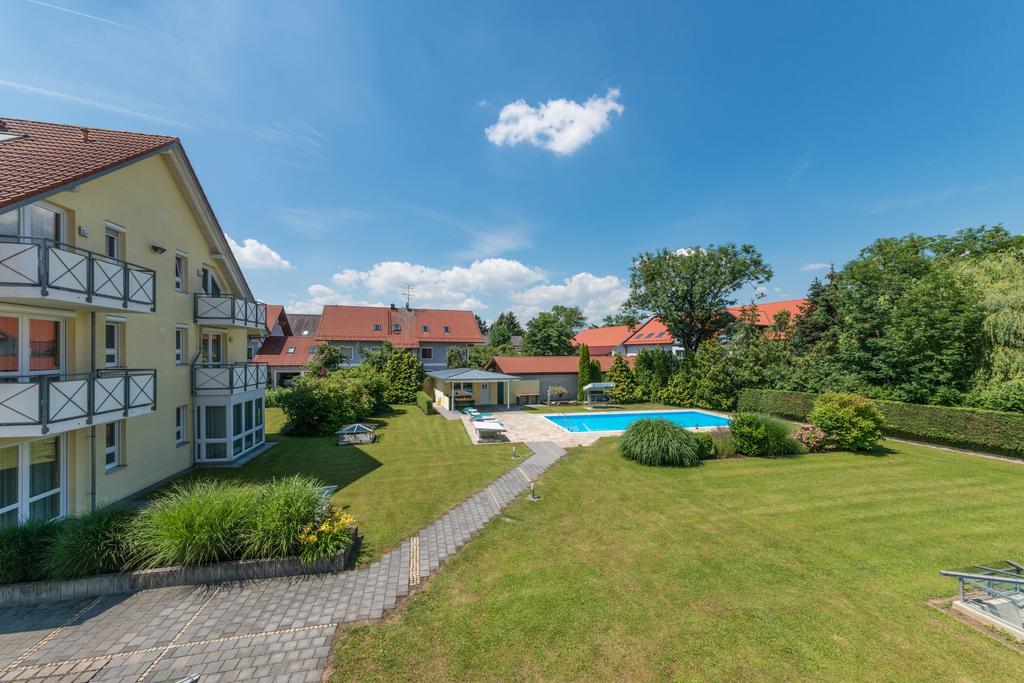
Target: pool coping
[(548, 417)]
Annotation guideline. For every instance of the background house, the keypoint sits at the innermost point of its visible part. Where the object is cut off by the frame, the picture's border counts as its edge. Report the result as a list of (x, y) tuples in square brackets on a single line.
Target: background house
[(428, 333), (290, 344)]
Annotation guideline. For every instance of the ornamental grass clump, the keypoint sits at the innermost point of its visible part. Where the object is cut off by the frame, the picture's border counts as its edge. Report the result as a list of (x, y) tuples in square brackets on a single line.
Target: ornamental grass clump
[(22, 548), (763, 435), (95, 543), (852, 422), (660, 443), (193, 523), (280, 511)]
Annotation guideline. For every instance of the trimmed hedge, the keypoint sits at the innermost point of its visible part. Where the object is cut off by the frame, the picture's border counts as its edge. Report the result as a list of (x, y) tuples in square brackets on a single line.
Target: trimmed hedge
[(989, 431), (425, 403)]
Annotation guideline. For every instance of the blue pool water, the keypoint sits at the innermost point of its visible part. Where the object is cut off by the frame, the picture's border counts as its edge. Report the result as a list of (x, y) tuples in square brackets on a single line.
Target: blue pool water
[(614, 422)]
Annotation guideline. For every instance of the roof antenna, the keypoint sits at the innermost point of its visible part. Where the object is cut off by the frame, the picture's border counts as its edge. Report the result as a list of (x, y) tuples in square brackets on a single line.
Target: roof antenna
[(407, 292), (85, 135)]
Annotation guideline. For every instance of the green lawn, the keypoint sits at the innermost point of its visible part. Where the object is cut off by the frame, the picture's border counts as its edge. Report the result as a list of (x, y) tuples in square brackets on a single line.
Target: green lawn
[(419, 468), (812, 567)]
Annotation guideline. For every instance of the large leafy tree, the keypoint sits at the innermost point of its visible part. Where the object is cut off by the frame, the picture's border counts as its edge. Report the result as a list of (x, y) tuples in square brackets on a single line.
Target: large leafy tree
[(455, 357), (481, 323), (326, 360), (621, 318), (480, 356), (404, 376), (652, 370), (690, 289), (572, 316), (547, 334), (504, 328)]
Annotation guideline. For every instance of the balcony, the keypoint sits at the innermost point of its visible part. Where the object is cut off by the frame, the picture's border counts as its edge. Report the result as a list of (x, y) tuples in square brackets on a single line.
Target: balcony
[(44, 271), (211, 309), (35, 405), (226, 380)]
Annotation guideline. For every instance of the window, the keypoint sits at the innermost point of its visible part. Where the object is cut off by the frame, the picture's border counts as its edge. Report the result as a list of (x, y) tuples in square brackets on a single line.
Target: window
[(291, 349), (180, 272), (213, 433), (35, 220), (180, 344), (426, 328), (112, 451), (426, 353), (112, 354), (113, 241), (246, 426), (250, 352), (396, 327), (312, 350), (212, 347), (447, 330), (30, 345), (376, 327), (180, 415), (32, 481), (210, 284)]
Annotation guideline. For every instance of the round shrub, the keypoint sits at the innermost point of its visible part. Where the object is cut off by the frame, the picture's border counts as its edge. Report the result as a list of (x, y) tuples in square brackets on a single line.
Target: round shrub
[(851, 422), (814, 439), (705, 445), (660, 442), (95, 543), (321, 405), (758, 434)]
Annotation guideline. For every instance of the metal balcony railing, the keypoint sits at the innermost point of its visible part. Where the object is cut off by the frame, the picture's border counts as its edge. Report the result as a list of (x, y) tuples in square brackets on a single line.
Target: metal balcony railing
[(40, 268), (228, 310), (235, 378), (40, 404)]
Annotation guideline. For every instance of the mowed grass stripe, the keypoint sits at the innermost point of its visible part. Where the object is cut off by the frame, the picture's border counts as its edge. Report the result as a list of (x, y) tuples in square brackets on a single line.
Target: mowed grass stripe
[(815, 567)]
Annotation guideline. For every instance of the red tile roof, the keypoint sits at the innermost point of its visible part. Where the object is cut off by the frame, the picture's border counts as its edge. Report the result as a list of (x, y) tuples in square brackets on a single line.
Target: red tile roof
[(48, 156), (356, 323), (766, 310), (602, 340), (651, 332), (275, 351), (274, 315), (545, 365)]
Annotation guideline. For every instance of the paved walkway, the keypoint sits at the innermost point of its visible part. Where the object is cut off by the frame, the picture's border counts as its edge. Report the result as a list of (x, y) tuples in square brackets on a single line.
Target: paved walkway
[(266, 630)]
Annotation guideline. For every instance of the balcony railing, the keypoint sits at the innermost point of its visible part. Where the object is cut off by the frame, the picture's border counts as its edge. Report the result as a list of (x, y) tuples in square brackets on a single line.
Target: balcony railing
[(236, 378), (42, 269), (228, 310), (33, 405)]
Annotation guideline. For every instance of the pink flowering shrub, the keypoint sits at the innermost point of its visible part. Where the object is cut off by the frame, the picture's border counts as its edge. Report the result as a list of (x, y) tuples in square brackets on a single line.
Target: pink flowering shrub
[(814, 440)]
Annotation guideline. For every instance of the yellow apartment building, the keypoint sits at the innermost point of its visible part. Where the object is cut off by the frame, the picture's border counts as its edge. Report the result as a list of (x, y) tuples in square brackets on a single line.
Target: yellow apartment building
[(124, 322)]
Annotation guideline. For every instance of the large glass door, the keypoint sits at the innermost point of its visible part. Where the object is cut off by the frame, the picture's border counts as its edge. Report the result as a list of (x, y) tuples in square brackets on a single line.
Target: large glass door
[(32, 481), (212, 351)]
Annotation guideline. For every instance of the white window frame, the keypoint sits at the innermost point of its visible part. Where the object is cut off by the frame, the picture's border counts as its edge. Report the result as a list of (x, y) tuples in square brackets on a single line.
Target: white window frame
[(180, 275), (23, 223), (24, 502), (396, 327), (25, 346), (180, 344), (116, 449), (210, 282), (115, 232), (348, 353), (206, 347), (246, 437), (118, 347), (377, 327), (180, 425)]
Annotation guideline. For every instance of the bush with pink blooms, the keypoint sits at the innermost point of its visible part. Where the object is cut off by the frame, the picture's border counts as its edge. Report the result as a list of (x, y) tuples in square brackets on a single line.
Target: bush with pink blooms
[(814, 439)]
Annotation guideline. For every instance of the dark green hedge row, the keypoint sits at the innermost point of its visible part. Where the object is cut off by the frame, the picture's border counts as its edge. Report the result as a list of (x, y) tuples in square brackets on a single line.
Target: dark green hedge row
[(983, 430), (425, 403)]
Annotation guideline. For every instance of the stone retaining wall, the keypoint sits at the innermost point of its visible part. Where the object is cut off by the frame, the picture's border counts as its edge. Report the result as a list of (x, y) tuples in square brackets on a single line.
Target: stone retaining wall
[(34, 592)]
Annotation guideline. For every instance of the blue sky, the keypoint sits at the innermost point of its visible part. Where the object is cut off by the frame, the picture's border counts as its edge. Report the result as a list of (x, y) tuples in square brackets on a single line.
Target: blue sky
[(518, 155)]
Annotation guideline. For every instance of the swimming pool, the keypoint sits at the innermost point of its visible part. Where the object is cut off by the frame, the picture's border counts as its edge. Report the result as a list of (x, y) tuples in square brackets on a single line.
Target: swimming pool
[(617, 422)]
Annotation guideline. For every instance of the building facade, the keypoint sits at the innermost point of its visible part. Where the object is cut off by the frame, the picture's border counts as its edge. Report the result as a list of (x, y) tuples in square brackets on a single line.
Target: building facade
[(124, 322)]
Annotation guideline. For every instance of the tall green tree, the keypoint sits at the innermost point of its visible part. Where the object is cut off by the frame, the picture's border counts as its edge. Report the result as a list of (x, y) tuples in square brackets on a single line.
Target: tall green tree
[(481, 323), (504, 328), (404, 375), (818, 321), (710, 380), (326, 360), (572, 316), (547, 334), (652, 370), (378, 358), (690, 289), (583, 373), (481, 356), (625, 389), (455, 357), (620, 318)]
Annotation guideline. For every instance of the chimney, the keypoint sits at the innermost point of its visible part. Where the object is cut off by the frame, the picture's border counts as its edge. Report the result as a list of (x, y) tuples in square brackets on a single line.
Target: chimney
[(85, 135), (392, 307), (3, 125)]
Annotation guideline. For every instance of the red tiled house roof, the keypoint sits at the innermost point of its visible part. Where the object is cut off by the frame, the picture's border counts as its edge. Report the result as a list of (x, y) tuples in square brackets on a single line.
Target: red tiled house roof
[(602, 340), (416, 325), (276, 314), (767, 310), (651, 332), (48, 156), (545, 365), (275, 351)]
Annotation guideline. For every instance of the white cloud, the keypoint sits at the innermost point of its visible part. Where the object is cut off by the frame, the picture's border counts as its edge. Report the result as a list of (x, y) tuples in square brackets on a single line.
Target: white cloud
[(597, 296), (561, 126), (818, 265), (458, 286), (322, 295), (253, 254)]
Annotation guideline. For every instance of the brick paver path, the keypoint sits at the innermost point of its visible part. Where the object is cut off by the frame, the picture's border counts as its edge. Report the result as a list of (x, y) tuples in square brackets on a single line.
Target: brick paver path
[(265, 630)]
